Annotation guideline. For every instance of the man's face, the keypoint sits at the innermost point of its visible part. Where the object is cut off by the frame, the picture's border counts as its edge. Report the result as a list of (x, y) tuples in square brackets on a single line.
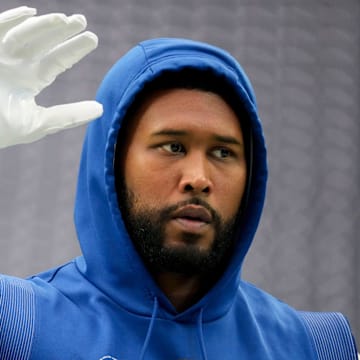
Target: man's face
[(184, 172)]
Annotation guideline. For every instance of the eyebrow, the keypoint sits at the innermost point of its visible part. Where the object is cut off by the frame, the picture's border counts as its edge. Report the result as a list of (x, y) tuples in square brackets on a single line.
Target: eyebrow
[(169, 132), (228, 140), (221, 138)]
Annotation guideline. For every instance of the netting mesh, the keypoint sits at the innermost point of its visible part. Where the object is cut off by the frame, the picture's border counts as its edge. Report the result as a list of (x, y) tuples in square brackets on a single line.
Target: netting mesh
[(303, 59)]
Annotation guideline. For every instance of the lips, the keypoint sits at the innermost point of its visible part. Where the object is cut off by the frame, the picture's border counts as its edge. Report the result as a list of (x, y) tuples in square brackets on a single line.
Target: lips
[(193, 213)]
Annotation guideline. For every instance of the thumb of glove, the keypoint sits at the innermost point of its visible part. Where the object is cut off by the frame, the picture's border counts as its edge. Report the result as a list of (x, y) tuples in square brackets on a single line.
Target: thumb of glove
[(66, 116)]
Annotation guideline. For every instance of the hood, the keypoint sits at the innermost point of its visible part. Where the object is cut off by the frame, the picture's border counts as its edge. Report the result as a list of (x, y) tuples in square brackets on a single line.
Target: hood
[(109, 259)]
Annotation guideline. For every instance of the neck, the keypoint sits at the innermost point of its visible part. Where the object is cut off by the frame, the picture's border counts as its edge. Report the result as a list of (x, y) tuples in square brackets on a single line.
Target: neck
[(182, 291)]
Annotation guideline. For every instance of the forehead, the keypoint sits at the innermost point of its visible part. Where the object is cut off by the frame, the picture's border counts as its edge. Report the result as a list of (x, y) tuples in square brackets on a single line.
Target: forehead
[(188, 110)]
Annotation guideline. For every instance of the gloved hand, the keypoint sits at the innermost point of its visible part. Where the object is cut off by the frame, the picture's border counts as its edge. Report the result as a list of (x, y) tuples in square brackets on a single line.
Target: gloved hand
[(34, 50)]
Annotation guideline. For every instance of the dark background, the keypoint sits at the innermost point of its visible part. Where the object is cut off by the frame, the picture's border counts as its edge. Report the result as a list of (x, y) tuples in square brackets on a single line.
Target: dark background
[(303, 59)]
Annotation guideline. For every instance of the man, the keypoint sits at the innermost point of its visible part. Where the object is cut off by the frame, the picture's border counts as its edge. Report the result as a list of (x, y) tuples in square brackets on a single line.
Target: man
[(170, 192)]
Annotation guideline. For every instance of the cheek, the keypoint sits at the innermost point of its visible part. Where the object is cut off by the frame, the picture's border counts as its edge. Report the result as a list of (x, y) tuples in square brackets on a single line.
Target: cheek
[(151, 183), (232, 192)]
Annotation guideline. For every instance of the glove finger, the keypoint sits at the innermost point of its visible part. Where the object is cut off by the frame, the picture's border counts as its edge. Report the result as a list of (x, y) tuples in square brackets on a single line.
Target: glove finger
[(44, 41), (13, 17), (40, 34), (66, 55), (65, 116)]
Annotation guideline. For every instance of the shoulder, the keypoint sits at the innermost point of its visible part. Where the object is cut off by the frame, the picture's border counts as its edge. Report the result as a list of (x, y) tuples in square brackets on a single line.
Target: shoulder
[(328, 334), (24, 303), (331, 335), (17, 314)]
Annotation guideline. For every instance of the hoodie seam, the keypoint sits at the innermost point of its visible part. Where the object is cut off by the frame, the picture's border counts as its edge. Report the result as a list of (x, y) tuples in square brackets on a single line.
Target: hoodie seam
[(187, 55), (146, 57)]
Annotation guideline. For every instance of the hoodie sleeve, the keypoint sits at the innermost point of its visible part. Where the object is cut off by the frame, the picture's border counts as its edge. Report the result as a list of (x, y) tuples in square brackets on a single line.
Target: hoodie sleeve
[(331, 335), (17, 318)]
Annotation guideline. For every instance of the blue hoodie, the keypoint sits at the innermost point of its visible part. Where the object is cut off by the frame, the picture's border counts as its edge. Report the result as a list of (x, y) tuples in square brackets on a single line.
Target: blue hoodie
[(105, 304)]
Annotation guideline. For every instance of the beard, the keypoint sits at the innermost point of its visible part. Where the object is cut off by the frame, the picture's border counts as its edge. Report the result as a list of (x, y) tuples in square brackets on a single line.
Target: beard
[(146, 227)]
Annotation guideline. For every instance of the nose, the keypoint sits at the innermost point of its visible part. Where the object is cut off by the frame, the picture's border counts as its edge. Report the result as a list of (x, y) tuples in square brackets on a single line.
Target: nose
[(195, 177)]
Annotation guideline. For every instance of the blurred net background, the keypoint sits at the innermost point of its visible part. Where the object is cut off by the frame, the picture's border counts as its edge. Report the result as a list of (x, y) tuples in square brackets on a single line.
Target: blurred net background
[(303, 59)]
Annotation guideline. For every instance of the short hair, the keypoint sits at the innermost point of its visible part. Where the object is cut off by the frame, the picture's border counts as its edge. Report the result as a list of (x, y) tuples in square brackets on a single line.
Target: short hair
[(192, 79)]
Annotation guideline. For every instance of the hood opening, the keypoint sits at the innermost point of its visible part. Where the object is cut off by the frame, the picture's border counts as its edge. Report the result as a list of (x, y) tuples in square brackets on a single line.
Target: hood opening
[(191, 79)]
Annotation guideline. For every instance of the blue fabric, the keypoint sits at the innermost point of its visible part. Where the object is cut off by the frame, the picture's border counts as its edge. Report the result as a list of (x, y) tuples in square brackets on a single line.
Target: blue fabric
[(105, 304), (331, 336), (17, 305)]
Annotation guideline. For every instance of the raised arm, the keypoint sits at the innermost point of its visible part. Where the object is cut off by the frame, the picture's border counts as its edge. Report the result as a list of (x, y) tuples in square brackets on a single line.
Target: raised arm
[(34, 50)]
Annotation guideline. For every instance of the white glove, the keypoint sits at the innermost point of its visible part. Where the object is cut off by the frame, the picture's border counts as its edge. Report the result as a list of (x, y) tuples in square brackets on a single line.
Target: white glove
[(34, 50)]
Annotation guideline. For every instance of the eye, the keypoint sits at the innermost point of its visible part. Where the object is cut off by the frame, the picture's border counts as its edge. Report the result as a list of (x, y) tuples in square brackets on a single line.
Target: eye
[(223, 153), (174, 148)]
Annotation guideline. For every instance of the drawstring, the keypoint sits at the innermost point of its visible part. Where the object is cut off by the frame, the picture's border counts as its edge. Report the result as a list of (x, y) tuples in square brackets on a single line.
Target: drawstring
[(201, 334), (150, 329), (151, 326)]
